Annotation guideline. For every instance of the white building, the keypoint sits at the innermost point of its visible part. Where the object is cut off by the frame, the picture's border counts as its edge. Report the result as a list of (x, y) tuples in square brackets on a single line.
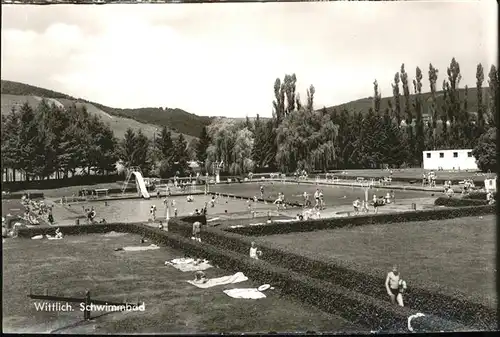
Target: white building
[(449, 160)]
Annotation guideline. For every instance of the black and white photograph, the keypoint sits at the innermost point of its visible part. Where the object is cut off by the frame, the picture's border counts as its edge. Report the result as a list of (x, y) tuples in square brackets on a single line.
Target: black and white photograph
[(249, 168)]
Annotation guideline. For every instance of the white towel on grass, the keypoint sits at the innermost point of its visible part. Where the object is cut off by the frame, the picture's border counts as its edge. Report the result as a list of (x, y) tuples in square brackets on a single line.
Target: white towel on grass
[(285, 220), (182, 260), (37, 237), (140, 248), (245, 293), (236, 278), (188, 264), (114, 234)]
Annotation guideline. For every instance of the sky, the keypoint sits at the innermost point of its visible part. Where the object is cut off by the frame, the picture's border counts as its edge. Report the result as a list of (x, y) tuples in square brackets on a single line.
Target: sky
[(223, 59)]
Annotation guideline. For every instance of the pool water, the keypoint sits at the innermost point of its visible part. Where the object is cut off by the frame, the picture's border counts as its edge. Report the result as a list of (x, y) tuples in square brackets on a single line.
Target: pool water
[(334, 195), (137, 210)]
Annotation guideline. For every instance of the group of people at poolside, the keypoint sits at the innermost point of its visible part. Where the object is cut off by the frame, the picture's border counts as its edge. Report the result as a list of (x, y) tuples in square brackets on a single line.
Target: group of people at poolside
[(429, 179), (376, 202), (34, 209)]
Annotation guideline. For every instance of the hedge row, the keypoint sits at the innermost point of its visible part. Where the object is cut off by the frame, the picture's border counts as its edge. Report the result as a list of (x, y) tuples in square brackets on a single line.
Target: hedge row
[(293, 204), (57, 183), (335, 299), (361, 220), (479, 195), (11, 196), (29, 232), (433, 298), (458, 202)]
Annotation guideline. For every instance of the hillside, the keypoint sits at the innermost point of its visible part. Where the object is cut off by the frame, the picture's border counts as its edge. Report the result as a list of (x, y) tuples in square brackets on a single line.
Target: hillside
[(362, 105), (149, 119)]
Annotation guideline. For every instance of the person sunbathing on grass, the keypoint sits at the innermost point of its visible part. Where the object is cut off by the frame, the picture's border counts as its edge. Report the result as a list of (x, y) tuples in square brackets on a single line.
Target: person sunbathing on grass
[(255, 253), (395, 286)]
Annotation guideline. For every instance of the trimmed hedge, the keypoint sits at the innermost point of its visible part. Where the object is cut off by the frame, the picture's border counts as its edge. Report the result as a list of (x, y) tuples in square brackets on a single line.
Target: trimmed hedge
[(12, 196), (192, 218), (458, 202), (74, 230), (479, 195), (331, 298), (361, 220), (57, 183), (433, 299)]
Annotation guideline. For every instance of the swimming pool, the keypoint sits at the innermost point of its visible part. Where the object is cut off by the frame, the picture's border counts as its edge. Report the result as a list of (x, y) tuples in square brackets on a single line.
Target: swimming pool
[(334, 195), (138, 210)]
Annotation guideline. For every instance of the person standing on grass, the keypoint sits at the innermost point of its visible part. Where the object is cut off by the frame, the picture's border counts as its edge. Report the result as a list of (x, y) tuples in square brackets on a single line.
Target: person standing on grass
[(393, 197), (395, 286), (255, 252), (262, 191)]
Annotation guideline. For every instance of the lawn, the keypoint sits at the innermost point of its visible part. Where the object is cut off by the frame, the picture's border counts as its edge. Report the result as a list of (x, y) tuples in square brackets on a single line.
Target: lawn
[(458, 253), (334, 195), (70, 266)]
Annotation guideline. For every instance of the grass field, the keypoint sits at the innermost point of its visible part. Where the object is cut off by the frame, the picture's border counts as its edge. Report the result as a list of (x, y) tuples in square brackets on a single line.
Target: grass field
[(334, 195), (70, 266), (457, 253)]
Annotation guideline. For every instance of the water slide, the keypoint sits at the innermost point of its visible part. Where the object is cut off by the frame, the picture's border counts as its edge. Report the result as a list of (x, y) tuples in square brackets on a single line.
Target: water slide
[(141, 185)]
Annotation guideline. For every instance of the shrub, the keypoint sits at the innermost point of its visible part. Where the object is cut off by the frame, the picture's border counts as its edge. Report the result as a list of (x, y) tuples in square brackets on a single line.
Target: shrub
[(485, 151), (458, 202), (332, 223), (479, 195), (57, 183), (12, 196)]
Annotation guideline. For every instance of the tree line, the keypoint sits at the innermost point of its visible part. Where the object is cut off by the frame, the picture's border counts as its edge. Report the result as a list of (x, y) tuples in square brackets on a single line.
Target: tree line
[(299, 138), (54, 141)]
